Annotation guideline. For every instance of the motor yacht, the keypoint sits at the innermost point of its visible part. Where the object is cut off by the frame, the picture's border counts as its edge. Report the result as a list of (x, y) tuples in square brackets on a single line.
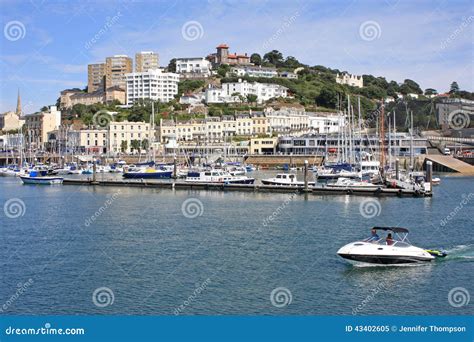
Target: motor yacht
[(217, 176), (286, 179), (386, 251)]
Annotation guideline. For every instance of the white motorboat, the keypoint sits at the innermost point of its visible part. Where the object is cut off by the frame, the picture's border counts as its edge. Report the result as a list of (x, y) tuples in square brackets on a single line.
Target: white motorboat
[(218, 177), (286, 179), (39, 177), (393, 250), (347, 183)]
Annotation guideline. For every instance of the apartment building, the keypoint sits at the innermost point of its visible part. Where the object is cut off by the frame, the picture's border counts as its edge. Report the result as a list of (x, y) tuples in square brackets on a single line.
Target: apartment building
[(154, 84), (231, 92), (146, 60), (126, 131), (92, 140), (116, 68), (349, 79), (38, 125), (10, 121), (254, 71), (193, 66), (95, 77)]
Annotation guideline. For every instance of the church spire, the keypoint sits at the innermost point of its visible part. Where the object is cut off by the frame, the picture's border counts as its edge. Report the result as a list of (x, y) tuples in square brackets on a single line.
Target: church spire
[(18, 104)]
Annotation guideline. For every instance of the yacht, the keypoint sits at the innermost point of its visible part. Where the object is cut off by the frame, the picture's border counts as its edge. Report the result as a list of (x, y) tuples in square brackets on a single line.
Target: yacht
[(347, 183), (287, 179), (217, 177), (39, 177), (393, 250), (147, 173)]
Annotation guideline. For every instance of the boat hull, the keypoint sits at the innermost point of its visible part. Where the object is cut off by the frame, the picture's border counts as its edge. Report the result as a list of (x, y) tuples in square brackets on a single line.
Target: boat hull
[(41, 180), (148, 175), (384, 259)]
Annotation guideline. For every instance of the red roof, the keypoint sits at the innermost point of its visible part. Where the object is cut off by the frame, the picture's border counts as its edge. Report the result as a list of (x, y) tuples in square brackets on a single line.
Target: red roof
[(222, 46)]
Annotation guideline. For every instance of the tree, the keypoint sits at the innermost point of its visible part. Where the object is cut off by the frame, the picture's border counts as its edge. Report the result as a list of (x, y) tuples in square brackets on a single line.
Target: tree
[(187, 86), (251, 98), (145, 144), (274, 57), (135, 145), (45, 108), (172, 65), (124, 146), (291, 62), (409, 87), (223, 70), (256, 59), (454, 88), (430, 91), (327, 98)]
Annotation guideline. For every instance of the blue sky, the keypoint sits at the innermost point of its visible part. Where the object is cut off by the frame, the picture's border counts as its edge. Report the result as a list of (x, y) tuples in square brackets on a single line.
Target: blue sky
[(46, 45)]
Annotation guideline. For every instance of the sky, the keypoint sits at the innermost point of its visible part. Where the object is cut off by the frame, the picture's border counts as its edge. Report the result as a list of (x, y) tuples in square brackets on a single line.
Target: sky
[(46, 45)]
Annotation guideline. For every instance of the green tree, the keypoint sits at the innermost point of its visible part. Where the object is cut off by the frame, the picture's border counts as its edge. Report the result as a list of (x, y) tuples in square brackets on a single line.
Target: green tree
[(135, 145), (145, 144), (291, 62), (172, 65), (256, 59), (410, 86), (251, 98), (327, 97), (187, 86), (124, 146), (430, 91), (454, 88), (223, 70), (274, 57)]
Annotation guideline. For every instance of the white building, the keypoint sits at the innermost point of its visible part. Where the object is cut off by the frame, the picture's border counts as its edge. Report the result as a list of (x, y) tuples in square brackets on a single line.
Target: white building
[(325, 122), (127, 131), (154, 84), (349, 79), (230, 92), (194, 65), (254, 71)]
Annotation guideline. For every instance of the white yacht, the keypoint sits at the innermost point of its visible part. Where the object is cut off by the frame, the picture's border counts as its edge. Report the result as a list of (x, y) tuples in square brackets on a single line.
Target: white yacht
[(347, 183), (287, 179), (217, 177), (393, 250)]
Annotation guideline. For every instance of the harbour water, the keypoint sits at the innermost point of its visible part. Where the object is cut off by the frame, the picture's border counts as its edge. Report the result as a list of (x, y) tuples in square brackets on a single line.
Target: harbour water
[(163, 252)]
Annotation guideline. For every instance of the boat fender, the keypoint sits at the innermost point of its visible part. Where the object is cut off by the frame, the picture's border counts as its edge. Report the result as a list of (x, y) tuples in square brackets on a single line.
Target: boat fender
[(349, 191), (394, 185)]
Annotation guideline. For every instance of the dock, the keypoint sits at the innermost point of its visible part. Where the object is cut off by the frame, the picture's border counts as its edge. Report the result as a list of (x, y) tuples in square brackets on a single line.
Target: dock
[(443, 163), (181, 185)]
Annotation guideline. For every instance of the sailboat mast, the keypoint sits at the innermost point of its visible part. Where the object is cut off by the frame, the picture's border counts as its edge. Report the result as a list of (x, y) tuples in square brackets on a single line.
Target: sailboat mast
[(382, 137)]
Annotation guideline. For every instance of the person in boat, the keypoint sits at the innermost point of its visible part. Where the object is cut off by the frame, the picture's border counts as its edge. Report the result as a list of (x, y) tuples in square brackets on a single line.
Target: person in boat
[(389, 239), (374, 236)]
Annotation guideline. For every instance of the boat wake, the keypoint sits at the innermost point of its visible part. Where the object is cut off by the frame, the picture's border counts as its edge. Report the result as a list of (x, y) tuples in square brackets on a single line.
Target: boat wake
[(459, 253)]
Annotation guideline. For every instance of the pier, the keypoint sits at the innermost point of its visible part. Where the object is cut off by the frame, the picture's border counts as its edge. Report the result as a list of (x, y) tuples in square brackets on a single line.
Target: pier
[(181, 185)]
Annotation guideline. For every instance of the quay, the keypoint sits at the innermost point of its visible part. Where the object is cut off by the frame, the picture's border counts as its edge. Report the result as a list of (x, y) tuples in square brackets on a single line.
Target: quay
[(181, 185)]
